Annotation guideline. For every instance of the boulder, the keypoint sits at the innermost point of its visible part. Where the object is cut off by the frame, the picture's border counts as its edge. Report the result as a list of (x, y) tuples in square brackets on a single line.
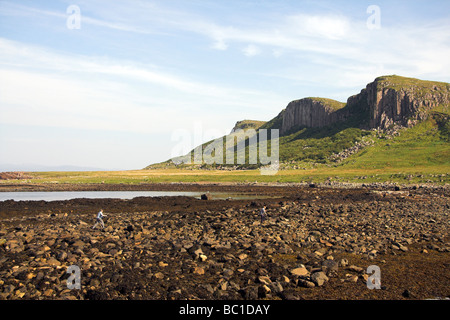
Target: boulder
[(305, 283), (330, 265), (300, 271), (319, 278), (206, 196)]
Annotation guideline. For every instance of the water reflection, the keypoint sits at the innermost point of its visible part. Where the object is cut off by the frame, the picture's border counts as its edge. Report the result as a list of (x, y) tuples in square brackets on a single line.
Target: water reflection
[(68, 195)]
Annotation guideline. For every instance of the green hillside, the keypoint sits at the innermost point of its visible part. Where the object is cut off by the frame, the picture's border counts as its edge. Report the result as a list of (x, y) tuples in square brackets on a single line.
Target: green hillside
[(426, 144), (349, 144)]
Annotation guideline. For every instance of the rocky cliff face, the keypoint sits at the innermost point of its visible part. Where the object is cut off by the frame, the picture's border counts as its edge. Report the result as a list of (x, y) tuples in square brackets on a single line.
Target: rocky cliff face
[(310, 112), (387, 100), (403, 101)]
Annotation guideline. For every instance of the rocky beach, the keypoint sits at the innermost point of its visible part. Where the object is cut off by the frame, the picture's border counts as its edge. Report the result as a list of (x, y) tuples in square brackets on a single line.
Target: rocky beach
[(316, 243)]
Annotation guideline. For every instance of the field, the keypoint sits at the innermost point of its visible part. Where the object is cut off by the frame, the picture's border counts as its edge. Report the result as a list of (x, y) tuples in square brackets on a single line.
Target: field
[(438, 174)]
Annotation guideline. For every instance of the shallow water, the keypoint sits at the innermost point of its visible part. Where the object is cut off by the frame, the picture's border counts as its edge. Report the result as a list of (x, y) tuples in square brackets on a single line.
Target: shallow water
[(68, 195)]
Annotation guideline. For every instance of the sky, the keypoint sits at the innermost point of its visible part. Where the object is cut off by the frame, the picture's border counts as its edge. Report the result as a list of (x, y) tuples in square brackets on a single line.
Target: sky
[(119, 85)]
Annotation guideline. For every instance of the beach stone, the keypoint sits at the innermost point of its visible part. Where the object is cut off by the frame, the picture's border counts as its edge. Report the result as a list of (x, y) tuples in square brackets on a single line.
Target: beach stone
[(265, 291), (315, 233), (78, 244), (290, 295), (276, 287), (48, 292), (406, 293), (319, 278), (197, 253), (198, 270), (62, 256), (343, 262), (96, 295), (250, 293), (262, 272), (243, 256), (228, 273), (355, 269), (300, 271), (305, 283), (8, 288), (264, 280), (206, 196), (53, 262), (330, 265), (208, 287), (286, 279)]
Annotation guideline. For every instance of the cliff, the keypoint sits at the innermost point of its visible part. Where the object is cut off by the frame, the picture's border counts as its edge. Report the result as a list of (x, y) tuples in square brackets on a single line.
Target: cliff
[(312, 112), (394, 99), (385, 101)]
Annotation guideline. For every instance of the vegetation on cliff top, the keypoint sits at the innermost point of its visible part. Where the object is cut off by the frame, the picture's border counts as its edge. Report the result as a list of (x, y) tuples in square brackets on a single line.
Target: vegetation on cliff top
[(248, 124), (421, 86), (333, 104)]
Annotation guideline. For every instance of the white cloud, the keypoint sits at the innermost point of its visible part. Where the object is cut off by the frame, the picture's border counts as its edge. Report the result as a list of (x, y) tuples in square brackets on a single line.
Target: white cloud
[(413, 48), (277, 52), (90, 93), (14, 9), (342, 43), (321, 26), (220, 45), (251, 50)]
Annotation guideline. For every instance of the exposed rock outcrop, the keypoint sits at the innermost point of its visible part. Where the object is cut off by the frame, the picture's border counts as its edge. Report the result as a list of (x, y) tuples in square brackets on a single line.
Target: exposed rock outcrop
[(386, 101), (312, 112), (403, 100)]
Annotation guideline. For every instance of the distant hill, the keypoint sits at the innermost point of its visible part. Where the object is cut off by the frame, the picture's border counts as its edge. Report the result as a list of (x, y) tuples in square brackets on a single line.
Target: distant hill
[(411, 114), (248, 124)]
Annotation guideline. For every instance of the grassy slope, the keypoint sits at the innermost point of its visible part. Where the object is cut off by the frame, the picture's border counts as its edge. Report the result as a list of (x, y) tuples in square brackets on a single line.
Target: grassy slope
[(424, 145), (317, 145)]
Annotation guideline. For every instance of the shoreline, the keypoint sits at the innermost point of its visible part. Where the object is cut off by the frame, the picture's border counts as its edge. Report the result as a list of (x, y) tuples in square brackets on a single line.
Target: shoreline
[(216, 186), (316, 244)]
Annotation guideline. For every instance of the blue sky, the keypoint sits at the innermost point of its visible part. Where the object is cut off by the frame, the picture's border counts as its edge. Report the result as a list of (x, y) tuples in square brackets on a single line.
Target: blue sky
[(118, 92)]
